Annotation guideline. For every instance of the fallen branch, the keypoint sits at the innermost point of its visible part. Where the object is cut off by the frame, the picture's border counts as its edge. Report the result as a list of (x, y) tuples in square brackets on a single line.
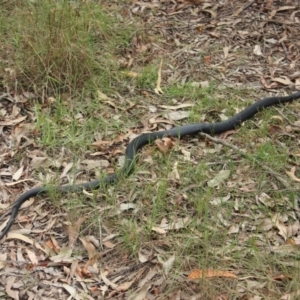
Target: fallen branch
[(278, 176)]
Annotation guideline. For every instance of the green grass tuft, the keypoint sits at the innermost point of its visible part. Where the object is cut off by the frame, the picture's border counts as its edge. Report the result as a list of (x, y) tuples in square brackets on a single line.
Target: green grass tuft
[(59, 46)]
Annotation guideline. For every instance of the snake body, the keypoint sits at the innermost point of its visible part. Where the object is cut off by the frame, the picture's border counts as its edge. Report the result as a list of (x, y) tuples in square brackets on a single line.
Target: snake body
[(146, 138)]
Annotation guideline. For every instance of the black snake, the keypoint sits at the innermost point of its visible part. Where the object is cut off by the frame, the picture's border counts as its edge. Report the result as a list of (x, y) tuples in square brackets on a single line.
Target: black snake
[(146, 138)]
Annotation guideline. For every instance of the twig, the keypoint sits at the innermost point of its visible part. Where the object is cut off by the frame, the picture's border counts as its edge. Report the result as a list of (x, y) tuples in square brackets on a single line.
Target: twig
[(285, 51), (287, 119), (248, 4), (100, 234), (244, 8), (7, 97), (235, 148)]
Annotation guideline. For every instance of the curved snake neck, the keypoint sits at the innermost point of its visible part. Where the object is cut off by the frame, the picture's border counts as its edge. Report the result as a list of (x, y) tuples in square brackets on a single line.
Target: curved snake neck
[(146, 138)]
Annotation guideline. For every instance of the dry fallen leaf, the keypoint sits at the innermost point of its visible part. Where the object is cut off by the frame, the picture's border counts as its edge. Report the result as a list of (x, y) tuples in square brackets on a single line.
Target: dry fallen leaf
[(226, 51), (142, 293), (220, 200), (18, 174), (12, 122), (11, 293), (132, 74), (217, 180), (102, 96), (167, 265), (158, 89), (103, 144), (174, 174), (158, 230), (66, 170), (73, 230), (127, 206), (176, 224), (233, 229), (297, 83), (177, 106), (177, 115), (157, 121), (37, 162), (197, 274), (282, 8), (285, 80), (266, 200), (123, 287), (90, 164), (17, 182), (287, 231), (164, 145), (72, 291), (64, 255), (19, 236), (91, 250), (107, 281), (210, 11), (257, 50), (265, 225), (32, 257), (142, 257), (3, 260), (109, 245), (292, 174)]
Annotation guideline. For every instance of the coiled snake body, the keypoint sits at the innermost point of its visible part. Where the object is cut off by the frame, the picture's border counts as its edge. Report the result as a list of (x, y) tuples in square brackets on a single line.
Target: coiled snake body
[(146, 138)]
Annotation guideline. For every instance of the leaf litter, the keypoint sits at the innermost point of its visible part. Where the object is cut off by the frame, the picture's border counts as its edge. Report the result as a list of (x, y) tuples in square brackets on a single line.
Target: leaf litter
[(215, 40)]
